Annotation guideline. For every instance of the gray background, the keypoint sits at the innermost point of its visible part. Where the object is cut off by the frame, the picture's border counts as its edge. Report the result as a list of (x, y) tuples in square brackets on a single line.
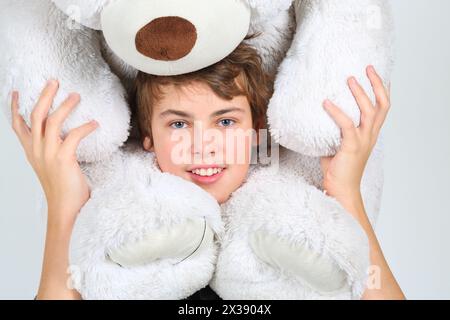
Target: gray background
[(414, 224)]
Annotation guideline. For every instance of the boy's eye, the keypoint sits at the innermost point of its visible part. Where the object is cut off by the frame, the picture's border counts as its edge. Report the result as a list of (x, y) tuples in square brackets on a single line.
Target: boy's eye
[(178, 125), (226, 122)]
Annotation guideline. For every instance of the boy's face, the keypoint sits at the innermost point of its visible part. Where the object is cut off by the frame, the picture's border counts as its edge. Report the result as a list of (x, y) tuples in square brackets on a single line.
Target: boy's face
[(202, 138)]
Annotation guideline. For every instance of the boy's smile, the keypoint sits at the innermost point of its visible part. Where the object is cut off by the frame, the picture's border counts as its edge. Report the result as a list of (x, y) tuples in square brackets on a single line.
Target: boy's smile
[(207, 174)]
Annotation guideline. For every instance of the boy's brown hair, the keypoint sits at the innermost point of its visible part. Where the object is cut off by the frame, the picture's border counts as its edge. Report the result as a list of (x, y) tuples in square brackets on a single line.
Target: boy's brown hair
[(239, 74)]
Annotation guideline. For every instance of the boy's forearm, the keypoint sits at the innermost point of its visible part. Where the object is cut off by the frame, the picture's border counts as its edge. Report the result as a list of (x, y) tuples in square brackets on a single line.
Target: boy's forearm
[(388, 287), (55, 277)]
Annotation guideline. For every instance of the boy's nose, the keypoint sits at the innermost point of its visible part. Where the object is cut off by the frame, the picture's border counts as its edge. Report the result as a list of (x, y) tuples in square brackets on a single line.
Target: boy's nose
[(206, 144), (166, 38), (204, 149)]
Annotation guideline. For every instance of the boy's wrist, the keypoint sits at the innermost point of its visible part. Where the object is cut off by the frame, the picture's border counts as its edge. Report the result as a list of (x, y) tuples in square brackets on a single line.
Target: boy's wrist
[(60, 218), (353, 203), (55, 276)]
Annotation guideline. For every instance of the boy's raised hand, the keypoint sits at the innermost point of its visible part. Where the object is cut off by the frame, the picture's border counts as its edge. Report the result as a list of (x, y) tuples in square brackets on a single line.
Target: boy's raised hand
[(53, 158), (342, 174)]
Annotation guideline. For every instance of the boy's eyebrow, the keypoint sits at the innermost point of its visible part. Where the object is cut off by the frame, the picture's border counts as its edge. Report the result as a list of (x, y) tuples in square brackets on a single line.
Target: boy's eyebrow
[(224, 111), (187, 115), (175, 112)]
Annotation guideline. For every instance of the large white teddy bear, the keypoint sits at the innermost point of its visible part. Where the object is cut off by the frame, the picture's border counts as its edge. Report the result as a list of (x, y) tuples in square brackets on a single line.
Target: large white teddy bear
[(149, 235)]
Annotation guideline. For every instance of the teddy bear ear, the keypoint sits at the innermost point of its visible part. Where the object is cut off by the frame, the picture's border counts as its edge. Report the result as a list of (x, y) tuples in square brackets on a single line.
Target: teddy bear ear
[(85, 12), (174, 36)]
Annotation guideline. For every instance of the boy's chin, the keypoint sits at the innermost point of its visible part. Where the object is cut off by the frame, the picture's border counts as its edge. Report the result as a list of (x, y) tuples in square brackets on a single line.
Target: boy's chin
[(220, 197), (217, 189), (221, 200)]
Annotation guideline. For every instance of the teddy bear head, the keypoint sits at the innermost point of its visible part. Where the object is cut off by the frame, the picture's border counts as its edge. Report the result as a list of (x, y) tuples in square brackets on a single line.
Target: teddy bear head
[(173, 36), (165, 37)]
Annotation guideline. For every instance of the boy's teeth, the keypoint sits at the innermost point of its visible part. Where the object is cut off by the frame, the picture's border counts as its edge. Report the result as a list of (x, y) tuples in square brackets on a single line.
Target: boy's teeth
[(207, 172)]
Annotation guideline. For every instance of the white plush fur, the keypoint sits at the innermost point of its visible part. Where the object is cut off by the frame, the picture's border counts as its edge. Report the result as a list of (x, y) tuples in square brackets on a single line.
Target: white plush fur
[(311, 45), (274, 34), (371, 185)]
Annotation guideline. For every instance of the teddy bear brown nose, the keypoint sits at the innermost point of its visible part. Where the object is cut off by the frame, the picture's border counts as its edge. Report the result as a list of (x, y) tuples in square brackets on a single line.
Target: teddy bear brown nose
[(166, 38)]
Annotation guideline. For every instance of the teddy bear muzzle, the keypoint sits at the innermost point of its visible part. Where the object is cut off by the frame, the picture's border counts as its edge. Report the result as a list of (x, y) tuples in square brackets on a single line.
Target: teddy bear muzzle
[(166, 38), (174, 37)]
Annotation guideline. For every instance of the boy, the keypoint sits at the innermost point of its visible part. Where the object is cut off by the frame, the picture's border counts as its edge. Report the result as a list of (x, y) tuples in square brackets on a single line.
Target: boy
[(216, 111)]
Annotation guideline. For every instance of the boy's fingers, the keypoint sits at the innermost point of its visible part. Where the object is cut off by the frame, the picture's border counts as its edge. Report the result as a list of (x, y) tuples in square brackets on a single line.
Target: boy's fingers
[(73, 139), (56, 120), (21, 129), (381, 94), (379, 121), (382, 97), (40, 112), (364, 103), (342, 120)]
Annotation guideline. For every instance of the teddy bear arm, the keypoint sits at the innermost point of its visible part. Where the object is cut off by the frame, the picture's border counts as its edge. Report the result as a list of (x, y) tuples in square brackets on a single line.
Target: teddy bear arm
[(39, 43), (333, 41)]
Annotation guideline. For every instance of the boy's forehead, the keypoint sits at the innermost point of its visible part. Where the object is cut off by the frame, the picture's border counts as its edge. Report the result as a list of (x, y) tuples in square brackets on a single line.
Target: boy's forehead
[(196, 97)]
